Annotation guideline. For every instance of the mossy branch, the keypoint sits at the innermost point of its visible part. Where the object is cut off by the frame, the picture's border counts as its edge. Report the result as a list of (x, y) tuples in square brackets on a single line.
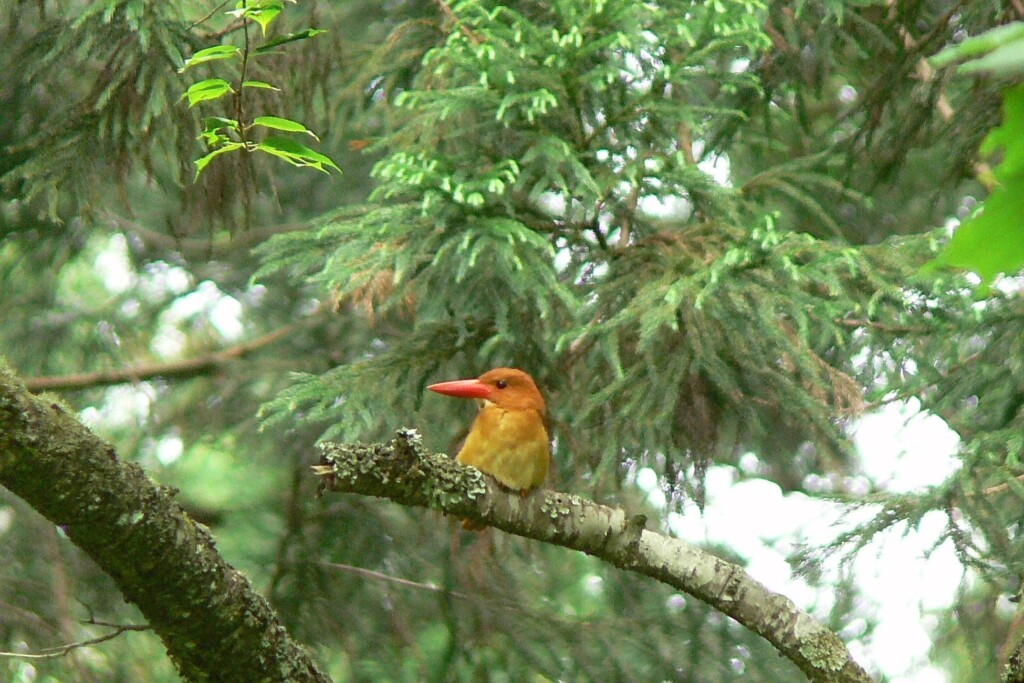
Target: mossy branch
[(214, 625), (403, 472)]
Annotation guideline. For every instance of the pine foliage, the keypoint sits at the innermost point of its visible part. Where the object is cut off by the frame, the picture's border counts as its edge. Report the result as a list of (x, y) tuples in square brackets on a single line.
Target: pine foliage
[(522, 220), (135, 48), (699, 225)]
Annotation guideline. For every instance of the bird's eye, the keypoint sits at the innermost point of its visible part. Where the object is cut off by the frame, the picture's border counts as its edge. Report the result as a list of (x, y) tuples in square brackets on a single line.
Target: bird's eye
[(501, 384)]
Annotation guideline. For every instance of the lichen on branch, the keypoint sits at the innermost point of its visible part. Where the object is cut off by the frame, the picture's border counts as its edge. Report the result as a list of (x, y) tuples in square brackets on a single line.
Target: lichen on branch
[(403, 471)]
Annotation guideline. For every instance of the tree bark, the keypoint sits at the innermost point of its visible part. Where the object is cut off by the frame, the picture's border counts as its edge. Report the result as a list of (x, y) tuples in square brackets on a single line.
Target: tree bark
[(1013, 671), (403, 472), (214, 625)]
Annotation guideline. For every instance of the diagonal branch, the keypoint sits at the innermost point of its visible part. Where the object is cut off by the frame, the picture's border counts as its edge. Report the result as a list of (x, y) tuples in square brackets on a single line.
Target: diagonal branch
[(214, 625), (179, 369), (403, 472)]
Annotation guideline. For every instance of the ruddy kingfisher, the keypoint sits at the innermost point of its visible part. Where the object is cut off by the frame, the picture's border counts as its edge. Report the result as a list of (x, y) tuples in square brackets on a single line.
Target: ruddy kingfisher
[(509, 437)]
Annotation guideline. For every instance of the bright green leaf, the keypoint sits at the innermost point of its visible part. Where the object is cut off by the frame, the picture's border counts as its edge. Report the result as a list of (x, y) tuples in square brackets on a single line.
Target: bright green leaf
[(218, 122), (259, 84), (1006, 60), (205, 161), (992, 241), (210, 54), (210, 89), (279, 123), (263, 12), (980, 44), (214, 139), (296, 153), (1009, 137), (263, 17), (212, 127), (291, 37)]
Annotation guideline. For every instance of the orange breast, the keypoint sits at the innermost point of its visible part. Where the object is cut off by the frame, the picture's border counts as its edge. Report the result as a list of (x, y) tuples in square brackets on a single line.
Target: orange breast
[(510, 445)]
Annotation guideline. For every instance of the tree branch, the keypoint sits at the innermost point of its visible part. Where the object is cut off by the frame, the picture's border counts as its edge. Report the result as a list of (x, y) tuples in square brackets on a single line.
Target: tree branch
[(214, 625), (1014, 671), (403, 472), (202, 247), (179, 369), (884, 327), (62, 650), (466, 31)]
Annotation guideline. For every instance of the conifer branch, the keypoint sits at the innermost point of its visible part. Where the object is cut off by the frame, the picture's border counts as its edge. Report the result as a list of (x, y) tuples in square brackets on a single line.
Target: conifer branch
[(1000, 488), (884, 327), (403, 472), (466, 31)]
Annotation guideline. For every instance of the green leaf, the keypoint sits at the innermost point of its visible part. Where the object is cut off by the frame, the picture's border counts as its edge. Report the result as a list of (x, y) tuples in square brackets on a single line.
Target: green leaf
[(259, 84), (992, 241), (1006, 60), (210, 54), (291, 37), (205, 161), (211, 123), (210, 89), (212, 127), (980, 44), (1008, 136), (296, 153), (279, 123), (263, 17), (262, 12)]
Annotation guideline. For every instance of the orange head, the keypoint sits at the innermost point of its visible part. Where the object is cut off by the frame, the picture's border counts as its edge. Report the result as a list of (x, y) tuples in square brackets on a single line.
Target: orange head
[(506, 388)]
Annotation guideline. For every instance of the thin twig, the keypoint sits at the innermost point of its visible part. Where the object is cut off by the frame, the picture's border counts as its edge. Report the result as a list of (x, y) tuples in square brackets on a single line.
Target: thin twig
[(999, 488), (883, 327), (62, 650), (447, 11), (217, 35), (486, 599), (191, 247), (188, 367), (626, 229), (59, 585), (369, 573), (685, 142), (239, 104), (208, 16)]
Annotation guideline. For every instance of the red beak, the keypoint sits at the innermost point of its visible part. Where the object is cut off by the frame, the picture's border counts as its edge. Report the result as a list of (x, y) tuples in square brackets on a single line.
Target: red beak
[(462, 388)]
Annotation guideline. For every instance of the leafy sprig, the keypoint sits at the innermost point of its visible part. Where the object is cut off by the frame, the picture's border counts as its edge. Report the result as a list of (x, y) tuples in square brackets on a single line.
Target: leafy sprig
[(242, 132)]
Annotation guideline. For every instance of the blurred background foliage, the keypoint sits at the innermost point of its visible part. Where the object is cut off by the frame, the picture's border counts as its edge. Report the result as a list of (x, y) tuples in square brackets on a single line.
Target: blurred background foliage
[(699, 225)]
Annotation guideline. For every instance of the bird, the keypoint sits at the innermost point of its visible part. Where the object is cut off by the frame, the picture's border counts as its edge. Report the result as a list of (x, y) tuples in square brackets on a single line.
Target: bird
[(509, 437)]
